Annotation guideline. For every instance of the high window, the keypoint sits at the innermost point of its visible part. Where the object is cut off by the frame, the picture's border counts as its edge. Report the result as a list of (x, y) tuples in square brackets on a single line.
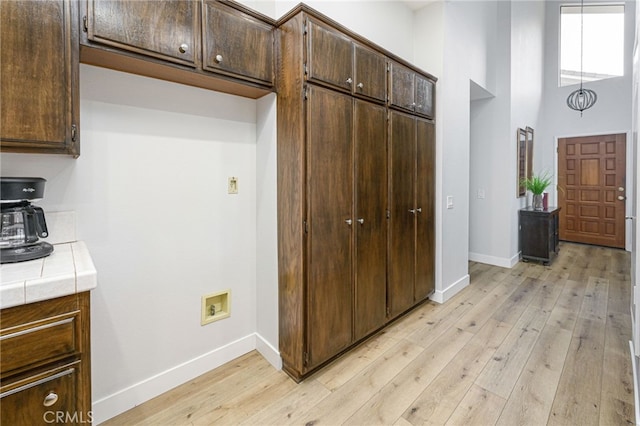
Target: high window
[(603, 45)]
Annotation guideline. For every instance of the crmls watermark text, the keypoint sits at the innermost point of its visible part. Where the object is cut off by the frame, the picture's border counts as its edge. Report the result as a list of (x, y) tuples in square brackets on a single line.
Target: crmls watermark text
[(53, 417)]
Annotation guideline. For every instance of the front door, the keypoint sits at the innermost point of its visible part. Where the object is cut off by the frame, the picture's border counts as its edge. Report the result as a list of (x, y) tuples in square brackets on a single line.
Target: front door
[(591, 189)]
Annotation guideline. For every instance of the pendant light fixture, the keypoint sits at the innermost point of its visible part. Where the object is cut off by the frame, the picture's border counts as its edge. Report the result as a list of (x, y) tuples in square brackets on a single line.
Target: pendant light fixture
[(581, 99)]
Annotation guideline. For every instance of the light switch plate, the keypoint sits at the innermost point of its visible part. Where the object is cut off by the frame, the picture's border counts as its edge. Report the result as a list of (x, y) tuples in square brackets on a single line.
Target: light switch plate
[(233, 185), (449, 201)]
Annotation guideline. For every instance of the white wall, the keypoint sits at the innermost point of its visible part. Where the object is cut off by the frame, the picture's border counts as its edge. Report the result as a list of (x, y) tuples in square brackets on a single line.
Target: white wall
[(610, 114), (150, 192)]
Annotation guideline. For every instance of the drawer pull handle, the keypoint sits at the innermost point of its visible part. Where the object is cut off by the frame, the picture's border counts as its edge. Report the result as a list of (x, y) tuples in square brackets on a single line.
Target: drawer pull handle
[(38, 382), (38, 328), (183, 48), (50, 399)]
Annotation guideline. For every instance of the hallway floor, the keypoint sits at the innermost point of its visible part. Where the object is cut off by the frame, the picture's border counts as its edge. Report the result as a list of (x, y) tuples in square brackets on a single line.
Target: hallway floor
[(531, 345)]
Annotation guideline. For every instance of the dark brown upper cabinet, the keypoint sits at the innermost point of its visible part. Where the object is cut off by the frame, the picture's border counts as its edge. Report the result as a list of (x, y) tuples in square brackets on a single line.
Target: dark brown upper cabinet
[(236, 43), (162, 29), (39, 77), (411, 91), (338, 61), (216, 45)]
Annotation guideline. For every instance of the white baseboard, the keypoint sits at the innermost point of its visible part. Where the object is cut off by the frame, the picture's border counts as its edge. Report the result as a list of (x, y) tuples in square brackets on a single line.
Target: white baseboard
[(503, 262), (441, 296), (269, 353), (136, 394), (636, 391)]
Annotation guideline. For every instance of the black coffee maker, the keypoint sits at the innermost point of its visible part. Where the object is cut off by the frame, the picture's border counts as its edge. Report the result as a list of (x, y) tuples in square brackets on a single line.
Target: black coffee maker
[(21, 223)]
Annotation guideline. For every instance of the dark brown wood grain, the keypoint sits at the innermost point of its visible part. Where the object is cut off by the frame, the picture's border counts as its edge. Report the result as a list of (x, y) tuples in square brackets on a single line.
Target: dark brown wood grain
[(425, 206), (39, 77), (46, 342), (330, 56), (402, 244), (401, 87), (331, 222), (244, 44), (370, 285), (154, 28), (370, 73)]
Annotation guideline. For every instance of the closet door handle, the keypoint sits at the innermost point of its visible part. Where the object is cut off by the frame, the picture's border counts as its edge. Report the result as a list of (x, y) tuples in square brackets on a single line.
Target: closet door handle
[(348, 222), (413, 211), (419, 209), (361, 221)]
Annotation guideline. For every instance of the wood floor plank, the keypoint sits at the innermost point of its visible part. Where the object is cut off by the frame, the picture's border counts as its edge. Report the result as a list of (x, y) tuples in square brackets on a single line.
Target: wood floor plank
[(578, 395), (457, 377), (503, 370), (479, 407), (454, 363), (390, 402), (531, 399), (343, 370), (343, 402), (616, 406)]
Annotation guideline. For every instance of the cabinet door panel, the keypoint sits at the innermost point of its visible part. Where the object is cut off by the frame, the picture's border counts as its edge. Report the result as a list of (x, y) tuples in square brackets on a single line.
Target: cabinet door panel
[(371, 223), (402, 88), (370, 73), (330, 200), (425, 223), (23, 403), (163, 29), (38, 76), (236, 43), (424, 96), (402, 222), (330, 57)]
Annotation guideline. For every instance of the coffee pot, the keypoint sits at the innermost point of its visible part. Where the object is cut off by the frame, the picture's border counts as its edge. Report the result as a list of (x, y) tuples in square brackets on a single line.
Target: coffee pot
[(21, 223)]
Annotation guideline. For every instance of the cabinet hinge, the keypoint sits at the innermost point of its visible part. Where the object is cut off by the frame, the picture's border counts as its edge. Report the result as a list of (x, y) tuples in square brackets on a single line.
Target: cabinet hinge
[(305, 358), (388, 311), (388, 67), (305, 226), (388, 214), (306, 70), (74, 132), (304, 28), (306, 95), (85, 26)]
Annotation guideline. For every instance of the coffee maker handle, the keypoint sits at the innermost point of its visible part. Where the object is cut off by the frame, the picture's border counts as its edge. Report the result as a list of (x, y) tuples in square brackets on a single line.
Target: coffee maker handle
[(41, 224)]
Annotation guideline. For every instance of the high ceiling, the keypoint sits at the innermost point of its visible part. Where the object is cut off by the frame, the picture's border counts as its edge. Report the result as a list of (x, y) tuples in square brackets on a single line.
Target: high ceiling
[(417, 4)]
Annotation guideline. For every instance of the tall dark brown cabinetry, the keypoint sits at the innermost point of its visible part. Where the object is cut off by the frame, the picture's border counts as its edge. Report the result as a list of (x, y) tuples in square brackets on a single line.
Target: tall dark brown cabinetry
[(39, 102), (411, 237), (333, 192)]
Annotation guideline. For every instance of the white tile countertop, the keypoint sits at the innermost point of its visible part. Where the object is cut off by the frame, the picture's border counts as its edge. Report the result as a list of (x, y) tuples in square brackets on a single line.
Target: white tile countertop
[(68, 270)]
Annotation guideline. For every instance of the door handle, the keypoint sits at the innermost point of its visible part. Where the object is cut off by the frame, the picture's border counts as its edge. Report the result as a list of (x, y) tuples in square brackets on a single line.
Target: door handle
[(621, 197), (348, 222), (361, 221), (621, 189), (412, 211)]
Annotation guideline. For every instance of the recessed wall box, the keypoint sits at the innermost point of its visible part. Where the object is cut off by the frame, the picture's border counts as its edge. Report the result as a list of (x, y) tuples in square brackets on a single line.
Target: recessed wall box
[(216, 306)]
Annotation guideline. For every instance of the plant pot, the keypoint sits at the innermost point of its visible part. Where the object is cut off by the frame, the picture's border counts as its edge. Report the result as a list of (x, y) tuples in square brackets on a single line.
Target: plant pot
[(537, 202)]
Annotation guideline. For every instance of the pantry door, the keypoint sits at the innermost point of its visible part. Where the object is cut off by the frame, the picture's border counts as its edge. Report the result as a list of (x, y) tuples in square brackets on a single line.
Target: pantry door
[(591, 189)]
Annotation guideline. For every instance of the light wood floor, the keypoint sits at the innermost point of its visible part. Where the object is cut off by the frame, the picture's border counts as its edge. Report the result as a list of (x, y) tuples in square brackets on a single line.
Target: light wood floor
[(531, 345)]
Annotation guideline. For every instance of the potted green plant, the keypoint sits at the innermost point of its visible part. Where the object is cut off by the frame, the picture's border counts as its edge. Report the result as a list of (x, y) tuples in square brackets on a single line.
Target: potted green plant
[(537, 184)]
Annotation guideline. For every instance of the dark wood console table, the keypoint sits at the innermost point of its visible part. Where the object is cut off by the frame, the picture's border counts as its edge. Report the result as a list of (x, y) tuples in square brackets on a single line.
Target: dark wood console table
[(539, 238)]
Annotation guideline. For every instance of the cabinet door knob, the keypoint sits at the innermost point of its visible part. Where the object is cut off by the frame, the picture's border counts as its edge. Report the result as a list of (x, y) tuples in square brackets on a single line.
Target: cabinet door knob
[(183, 48), (50, 399), (218, 58), (419, 209), (360, 85), (349, 80), (413, 211), (361, 221), (348, 222)]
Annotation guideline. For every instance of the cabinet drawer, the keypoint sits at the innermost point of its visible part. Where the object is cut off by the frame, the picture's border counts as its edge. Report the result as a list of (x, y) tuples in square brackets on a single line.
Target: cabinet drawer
[(40, 397), (37, 333)]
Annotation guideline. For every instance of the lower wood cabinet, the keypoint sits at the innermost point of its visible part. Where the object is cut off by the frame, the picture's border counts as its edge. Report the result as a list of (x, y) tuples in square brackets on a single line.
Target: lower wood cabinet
[(45, 367), (539, 234)]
